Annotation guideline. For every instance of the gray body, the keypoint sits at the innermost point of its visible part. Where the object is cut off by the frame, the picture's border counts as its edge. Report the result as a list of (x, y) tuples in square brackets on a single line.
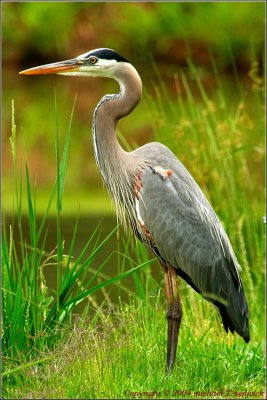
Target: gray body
[(190, 237)]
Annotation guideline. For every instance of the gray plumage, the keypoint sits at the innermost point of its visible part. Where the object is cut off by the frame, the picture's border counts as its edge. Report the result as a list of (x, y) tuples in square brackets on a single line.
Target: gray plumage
[(189, 235), (164, 205)]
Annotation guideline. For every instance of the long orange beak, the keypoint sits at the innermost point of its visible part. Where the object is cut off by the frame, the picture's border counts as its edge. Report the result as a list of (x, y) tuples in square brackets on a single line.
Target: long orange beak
[(54, 68)]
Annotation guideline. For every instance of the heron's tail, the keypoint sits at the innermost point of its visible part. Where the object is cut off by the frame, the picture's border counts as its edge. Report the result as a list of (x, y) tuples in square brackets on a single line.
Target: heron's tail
[(235, 313), (224, 289)]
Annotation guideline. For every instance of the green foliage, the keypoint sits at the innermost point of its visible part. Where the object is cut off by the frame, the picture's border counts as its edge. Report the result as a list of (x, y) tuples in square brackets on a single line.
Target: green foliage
[(34, 316), (216, 25), (31, 17), (126, 355)]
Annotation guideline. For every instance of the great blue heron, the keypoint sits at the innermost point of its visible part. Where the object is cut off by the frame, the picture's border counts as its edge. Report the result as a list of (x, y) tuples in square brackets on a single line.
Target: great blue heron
[(164, 205)]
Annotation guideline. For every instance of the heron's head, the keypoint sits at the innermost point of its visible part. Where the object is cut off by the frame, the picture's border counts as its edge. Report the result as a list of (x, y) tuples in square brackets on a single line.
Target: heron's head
[(99, 62)]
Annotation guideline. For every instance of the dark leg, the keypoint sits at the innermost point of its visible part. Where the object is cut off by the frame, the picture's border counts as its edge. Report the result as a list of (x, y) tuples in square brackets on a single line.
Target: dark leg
[(174, 313)]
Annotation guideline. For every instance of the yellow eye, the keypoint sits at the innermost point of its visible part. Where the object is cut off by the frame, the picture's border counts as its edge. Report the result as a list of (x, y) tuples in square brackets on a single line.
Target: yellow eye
[(93, 60)]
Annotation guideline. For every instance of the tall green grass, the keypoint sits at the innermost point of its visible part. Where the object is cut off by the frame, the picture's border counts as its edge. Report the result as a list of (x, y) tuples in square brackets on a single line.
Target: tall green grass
[(125, 358), (121, 353), (35, 317)]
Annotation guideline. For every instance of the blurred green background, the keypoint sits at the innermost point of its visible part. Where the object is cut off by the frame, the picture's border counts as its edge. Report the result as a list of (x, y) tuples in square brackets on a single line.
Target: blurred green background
[(228, 35)]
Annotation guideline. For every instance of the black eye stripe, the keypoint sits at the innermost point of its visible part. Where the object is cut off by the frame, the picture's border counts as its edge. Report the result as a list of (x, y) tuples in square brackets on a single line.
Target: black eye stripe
[(107, 54), (104, 54)]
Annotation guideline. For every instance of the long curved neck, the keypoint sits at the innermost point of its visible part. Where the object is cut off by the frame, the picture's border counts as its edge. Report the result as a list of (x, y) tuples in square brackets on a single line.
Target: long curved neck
[(111, 159)]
